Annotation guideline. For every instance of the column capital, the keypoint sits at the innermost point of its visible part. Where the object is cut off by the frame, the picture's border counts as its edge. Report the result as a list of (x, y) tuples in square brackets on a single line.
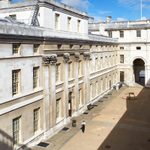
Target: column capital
[(86, 55), (66, 57), (52, 59), (77, 55)]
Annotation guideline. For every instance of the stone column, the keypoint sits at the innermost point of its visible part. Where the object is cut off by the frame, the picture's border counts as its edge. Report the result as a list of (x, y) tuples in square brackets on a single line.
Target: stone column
[(49, 91), (76, 90), (66, 90), (46, 83), (86, 77), (53, 60), (147, 75)]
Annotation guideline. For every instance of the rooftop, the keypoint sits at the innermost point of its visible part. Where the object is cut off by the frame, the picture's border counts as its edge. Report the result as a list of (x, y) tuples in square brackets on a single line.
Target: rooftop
[(4, 6), (10, 28), (121, 25)]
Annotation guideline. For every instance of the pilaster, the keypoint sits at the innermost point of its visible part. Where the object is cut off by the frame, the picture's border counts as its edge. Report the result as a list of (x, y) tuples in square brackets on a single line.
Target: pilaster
[(86, 90), (66, 57)]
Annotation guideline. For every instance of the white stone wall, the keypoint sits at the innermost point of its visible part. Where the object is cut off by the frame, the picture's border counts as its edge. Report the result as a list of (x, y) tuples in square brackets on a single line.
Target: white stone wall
[(25, 62)]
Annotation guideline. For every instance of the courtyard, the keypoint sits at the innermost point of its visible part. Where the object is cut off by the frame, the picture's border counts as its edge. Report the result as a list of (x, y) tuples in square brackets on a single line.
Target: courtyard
[(116, 122)]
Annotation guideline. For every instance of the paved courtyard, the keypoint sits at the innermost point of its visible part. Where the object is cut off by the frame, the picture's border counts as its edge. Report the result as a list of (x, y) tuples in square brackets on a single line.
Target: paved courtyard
[(115, 123)]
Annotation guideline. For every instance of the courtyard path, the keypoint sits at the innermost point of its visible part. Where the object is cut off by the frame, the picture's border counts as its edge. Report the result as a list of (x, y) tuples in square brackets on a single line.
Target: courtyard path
[(116, 123), (122, 125)]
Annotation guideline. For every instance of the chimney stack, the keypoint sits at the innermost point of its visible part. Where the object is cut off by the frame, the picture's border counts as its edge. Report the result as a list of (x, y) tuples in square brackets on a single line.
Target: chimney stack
[(108, 19)]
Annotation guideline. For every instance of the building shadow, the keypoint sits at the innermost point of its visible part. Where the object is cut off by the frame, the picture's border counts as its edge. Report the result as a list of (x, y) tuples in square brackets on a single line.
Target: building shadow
[(132, 132), (6, 142)]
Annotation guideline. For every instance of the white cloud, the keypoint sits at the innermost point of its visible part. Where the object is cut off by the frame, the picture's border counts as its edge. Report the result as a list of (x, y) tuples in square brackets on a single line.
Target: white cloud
[(79, 4), (135, 3), (121, 19)]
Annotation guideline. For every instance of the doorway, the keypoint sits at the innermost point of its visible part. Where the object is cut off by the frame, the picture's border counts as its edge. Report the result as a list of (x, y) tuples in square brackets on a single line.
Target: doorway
[(70, 104), (139, 71)]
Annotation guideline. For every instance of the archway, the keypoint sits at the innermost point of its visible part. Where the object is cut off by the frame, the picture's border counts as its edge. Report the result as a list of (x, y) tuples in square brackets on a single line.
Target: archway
[(139, 71)]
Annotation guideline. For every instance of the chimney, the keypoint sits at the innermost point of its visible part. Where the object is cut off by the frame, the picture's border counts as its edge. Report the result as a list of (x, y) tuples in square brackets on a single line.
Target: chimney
[(4, 3), (108, 19)]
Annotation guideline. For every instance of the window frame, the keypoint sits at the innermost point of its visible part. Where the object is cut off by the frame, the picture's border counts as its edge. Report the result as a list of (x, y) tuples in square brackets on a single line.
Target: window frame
[(35, 77), (121, 33), (36, 120), (16, 48), (16, 129), (57, 21), (138, 33), (121, 58), (16, 81)]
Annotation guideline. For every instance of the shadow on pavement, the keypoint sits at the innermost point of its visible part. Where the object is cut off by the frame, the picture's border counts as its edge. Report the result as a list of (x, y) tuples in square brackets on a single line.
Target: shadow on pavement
[(6, 142), (132, 132)]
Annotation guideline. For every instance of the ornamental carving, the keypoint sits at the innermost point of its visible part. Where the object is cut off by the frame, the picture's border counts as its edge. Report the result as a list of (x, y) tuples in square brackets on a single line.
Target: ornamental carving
[(77, 55), (46, 60), (66, 57), (53, 59), (50, 59), (86, 55)]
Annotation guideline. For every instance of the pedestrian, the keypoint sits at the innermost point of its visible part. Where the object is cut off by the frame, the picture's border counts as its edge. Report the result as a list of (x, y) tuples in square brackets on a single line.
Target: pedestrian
[(83, 126)]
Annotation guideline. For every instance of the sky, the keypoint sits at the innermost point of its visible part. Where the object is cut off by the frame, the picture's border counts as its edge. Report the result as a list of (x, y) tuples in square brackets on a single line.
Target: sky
[(119, 9)]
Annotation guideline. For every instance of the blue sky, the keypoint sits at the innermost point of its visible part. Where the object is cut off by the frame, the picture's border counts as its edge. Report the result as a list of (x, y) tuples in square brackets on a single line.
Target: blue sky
[(118, 9)]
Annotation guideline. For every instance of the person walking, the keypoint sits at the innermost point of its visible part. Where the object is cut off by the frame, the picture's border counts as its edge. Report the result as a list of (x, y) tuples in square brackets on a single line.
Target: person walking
[(83, 126)]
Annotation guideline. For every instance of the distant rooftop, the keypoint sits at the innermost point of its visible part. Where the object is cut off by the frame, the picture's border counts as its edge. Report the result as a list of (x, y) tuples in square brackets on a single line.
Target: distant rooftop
[(8, 5), (120, 25)]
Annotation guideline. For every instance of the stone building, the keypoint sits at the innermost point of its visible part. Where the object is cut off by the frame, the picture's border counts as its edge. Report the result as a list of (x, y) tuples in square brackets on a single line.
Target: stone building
[(134, 48), (51, 69)]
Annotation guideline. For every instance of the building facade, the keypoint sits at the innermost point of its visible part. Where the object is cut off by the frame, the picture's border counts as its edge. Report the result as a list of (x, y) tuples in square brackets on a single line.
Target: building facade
[(133, 38), (51, 69)]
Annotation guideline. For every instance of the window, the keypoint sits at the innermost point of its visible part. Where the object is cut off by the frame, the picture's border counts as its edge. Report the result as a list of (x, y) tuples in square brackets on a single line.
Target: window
[(16, 130), (80, 68), (57, 21), (70, 70), (121, 48), (138, 33), (121, 34), (110, 34), (36, 119), (91, 91), (58, 72), (80, 97), (36, 48), (58, 107), (78, 25), (96, 86), (15, 81), (69, 23), (35, 77), (138, 48), (13, 16), (121, 76), (121, 58), (15, 48)]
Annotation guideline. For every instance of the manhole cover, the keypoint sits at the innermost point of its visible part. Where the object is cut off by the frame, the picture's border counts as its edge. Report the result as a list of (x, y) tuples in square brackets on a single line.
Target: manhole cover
[(100, 101), (43, 144), (107, 146), (85, 113), (65, 129)]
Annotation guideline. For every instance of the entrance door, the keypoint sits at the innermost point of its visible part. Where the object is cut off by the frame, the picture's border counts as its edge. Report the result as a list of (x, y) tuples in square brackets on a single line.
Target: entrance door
[(70, 104), (121, 76), (139, 71)]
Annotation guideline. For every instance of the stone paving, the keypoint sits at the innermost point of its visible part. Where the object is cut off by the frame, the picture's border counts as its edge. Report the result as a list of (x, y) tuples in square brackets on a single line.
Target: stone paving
[(115, 123)]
